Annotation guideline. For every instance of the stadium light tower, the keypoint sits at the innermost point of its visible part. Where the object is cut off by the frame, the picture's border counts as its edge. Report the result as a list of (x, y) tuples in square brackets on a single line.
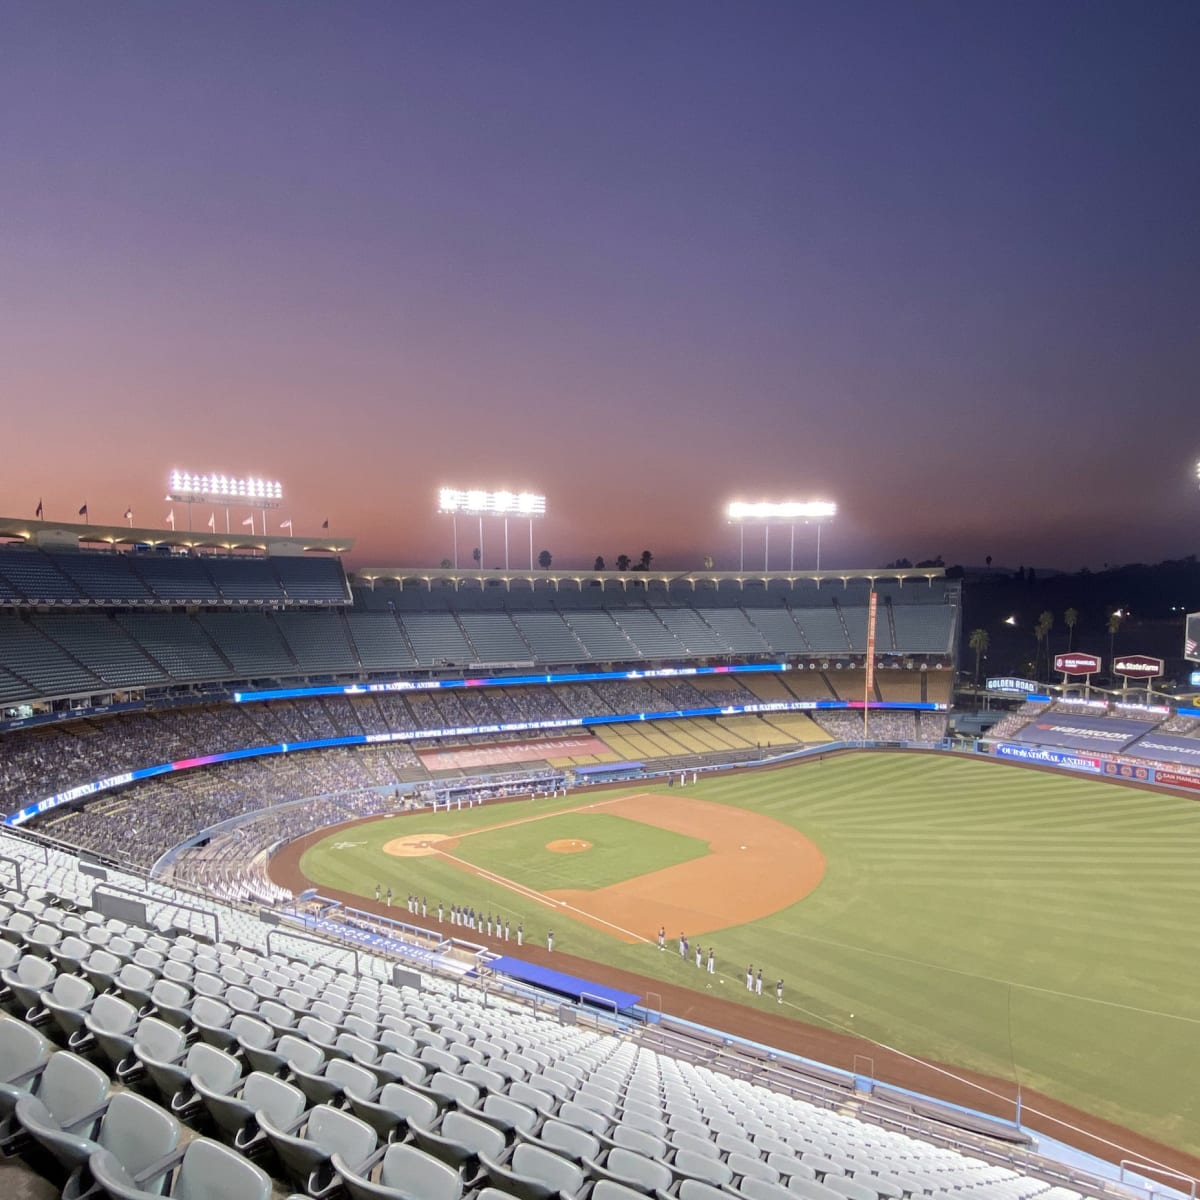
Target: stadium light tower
[(786, 512), (475, 502), (251, 492)]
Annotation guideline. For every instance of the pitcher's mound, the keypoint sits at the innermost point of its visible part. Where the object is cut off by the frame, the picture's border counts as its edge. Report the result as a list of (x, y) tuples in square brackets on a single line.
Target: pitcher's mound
[(417, 844), (568, 846)]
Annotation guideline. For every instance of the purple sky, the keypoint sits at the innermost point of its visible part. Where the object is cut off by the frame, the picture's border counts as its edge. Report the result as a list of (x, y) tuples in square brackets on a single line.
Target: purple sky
[(937, 262)]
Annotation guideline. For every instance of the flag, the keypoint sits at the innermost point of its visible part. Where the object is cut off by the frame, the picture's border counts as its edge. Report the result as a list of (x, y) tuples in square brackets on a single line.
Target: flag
[(286, 524), (83, 511), (170, 518), (249, 521), (325, 523), (212, 522), (39, 509)]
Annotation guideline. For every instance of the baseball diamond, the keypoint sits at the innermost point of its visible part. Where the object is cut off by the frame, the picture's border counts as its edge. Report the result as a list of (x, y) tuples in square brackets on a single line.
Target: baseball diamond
[(976, 914)]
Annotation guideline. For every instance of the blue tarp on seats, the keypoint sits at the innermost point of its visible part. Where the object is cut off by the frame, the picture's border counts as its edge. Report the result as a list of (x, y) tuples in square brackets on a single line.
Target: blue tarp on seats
[(585, 990)]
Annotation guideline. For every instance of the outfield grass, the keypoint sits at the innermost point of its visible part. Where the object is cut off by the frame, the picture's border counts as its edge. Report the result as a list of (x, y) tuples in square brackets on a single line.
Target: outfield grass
[(1006, 920)]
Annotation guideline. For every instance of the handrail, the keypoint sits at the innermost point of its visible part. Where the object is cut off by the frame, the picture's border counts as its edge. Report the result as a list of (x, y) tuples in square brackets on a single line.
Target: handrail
[(143, 896), (17, 867), (1143, 1168), (304, 937)]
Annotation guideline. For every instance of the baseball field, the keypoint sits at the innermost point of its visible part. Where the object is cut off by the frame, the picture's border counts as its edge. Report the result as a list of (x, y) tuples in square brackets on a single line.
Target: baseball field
[(1031, 927)]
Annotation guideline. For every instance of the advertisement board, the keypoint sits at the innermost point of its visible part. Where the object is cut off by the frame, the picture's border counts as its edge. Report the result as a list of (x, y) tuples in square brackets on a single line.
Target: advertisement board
[(1008, 685), (1081, 731), (1077, 664), (1040, 755), (1137, 666), (1177, 779)]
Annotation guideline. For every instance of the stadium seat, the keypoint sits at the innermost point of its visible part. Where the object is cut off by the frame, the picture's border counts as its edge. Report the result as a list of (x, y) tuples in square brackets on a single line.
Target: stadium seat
[(67, 1003), (405, 1173), (306, 1148), (233, 1111), (25, 984), (206, 1170), (393, 1109)]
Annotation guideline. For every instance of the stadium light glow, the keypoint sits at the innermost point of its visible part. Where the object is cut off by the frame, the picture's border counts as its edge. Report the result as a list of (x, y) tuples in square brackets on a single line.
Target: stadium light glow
[(783, 512), (187, 488), (476, 502), (222, 489)]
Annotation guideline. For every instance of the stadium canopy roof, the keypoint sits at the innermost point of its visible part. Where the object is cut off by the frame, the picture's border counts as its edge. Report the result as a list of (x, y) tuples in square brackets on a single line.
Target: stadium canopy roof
[(59, 535), (557, 578)]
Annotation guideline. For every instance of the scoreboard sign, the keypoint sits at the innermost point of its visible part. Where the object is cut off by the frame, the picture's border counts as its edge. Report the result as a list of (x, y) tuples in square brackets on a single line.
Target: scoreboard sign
[(1138, 666), (1077, 664)]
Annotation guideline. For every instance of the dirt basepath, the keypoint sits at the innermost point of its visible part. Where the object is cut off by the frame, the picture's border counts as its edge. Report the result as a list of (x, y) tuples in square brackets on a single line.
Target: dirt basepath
[(755, 866)]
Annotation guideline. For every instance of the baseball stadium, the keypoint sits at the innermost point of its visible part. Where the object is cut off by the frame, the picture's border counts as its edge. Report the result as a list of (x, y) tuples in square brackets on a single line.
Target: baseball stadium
[(671, 883)]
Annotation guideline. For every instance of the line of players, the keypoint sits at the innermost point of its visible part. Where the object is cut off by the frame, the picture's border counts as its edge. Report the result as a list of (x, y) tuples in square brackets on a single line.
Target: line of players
[(754, 982)]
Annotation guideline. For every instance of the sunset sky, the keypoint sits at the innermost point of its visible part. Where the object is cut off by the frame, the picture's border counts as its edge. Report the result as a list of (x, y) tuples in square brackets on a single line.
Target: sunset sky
[(939, 262)]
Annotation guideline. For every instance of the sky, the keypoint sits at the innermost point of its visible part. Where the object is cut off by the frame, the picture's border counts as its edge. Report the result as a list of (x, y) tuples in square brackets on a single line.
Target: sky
[(937, 262)]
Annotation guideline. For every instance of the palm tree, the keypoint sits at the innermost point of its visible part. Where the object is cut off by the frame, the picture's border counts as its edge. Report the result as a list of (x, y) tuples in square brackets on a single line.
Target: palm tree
[(544, 560), (1114, 625), (475, 554), (1070, 620), (1041, 631), (623, 562), (647, 559), (598, 565), (978, 642)]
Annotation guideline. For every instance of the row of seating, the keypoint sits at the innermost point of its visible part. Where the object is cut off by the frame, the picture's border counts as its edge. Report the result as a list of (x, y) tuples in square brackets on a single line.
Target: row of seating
[(65, 654), (31, 576)]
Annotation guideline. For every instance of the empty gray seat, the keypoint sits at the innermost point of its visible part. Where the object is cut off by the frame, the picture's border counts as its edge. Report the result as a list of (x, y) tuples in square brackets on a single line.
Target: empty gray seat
[(703, 1167), (288, 1052), (563, 1138), (535, 1173), (112, 1023), (632, 1169), (233, 1112), (70, 1091), (854, 1189), (25, 983), (306, 1150), (394, 1109), (810, 1189), (696, 1189), (206, 1171), (787, 1164), (68, 1002), (137, 1132), (172, 1001), (161, 1050), (583, 1118), (24, 1054), (101, 968), (761, 1189), (455, 1088), (461, 1139), (216, 1070), (624, 1134), (336, 1079), (211, 1019), (607, 1189), (405, 1173)]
